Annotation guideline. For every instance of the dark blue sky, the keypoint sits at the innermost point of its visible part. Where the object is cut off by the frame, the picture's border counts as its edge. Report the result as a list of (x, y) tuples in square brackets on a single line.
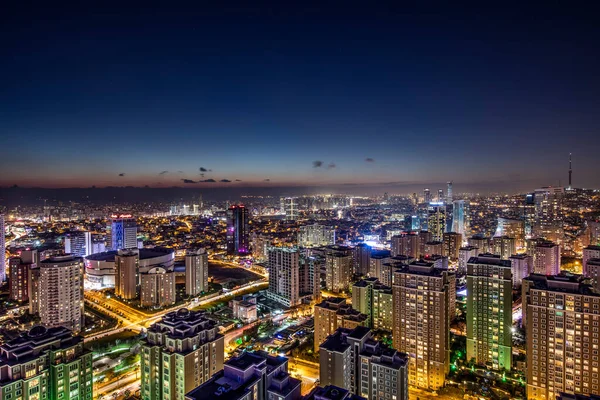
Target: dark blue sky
[(484, 97)]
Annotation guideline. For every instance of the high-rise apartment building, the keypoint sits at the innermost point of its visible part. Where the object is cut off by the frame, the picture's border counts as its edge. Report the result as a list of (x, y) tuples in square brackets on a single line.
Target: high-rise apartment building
[(2, 250), (316, 235), (375, 300), (460, 217), (451, 244), (424, 304), (284, 276), (237, 230), (521, 266), (196, 272), (18, 287), (424, 238), (78, 243), (127, 274), (514, 228), (548, 202), (560, 315), (251, 376), (338, 268), (123, 232), (504, 246), (333, 313), (464, 255), (482, 243), (291, 208), (46, 364), (157, 287), (260, 247), (433, 248), (449, 195), (589, 253), (376, 261), (181, 352), (489, 311), (426, 196), (352, 359), (361, 257), (61, 292), (546, 258), (593, 272), (436, 220), (406, 244)]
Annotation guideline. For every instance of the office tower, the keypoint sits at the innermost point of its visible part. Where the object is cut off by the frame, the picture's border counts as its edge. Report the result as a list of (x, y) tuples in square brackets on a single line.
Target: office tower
[(284, 276), (504, 246), (489, 311), (436, 220), (440, 197), (514, 228), (424, 238), (560, 315), (78, 243), (157, 287), (290, 208), (18, 286), (196, 272), (316, 235), (375, 300), (451, 244), (482, 243), (362, 255), (426, 196), (449, 196), (352, 359), (546, 258), (46, 363), (589, 253), (521, 266), (338, 268), (61, 292), (331, 392), (424, 304), (98, 245), (251, 376), (406, 244), (123, 232), (181, 352), (376, 261), (2, 250), (460, 217), (127, 274), (333, 313), (464, 255), (237, 230)]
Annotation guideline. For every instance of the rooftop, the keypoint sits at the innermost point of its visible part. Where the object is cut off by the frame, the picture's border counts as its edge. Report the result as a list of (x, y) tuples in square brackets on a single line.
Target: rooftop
[(109, 256), (489, 259)]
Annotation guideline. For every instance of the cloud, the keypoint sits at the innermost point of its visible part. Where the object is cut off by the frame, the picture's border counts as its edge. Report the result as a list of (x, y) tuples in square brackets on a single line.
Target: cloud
[(369, 159), (238, 180), (188, 181), (122, 174), (267, 180), (331, 165), (208, 180), (317, 164), (180, 172), (225, 180), (202, 175), (202, 169), (163, 172)]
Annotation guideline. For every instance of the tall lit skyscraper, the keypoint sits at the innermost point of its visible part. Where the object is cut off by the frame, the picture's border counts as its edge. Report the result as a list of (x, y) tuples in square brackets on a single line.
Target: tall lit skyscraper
[(489, 311), (78, 243), (546, 258), (157, 287), (338, 268), (440, 197), (123, 232), (504, 246), (590, 252), (426, 196), (424, 304), (361, 256), (464, 255), (521, 266), (436, 221), (451, 244), (284, 276), (449, 195), (237, 230), (196, 272), (127, 274), (2, 250), (460, 217), (290, 208), (181, 352), (61, 292), (482, 243)]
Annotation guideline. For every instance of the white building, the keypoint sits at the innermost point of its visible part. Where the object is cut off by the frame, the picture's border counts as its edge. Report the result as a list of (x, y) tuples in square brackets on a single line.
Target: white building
[(464, 254), (284, 276), (546, 258), (521, 266), (589, 253), (196, 272), (61, 292), (79, 243)]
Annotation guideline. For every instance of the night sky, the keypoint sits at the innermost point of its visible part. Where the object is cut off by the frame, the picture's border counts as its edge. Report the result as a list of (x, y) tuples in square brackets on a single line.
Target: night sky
[(332, 95)]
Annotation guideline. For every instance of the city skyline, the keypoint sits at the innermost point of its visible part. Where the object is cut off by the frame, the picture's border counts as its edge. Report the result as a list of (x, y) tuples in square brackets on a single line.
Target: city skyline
[(240, 97)]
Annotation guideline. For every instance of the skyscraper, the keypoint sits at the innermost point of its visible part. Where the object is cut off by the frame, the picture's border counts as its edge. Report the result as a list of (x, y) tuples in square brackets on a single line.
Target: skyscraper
[(521, 266), (78, 243), (290, 208), (157, 287), (589, 253), (560, 315), (406, 244), (127, 274), (504, 246), (237, 230), (61, 292), (546, 258), (46, 363), (449, 196), (489, 311), (333, 313), (361, 255), (338, 268), (196, 272), (123, 232), (436, 220), (424, 302), (181, 352), (2, 250), (440, 197), (464, 255), (482, 243), (375, 300), (18, 286), (460, 217), (426, 196), (352, 359), (451, 244), (284, 276)]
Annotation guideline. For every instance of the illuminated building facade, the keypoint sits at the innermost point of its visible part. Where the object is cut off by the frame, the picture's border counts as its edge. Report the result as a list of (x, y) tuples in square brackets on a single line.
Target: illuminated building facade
[(237, 230), (333, 313), (338, 268), (316, 235), (436, 220), (546, 258), (78, 243), (196, 272), (123, 232)]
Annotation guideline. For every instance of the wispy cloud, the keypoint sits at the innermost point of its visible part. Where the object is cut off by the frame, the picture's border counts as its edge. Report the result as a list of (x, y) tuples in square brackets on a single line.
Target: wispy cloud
[(163, 172), (369, 159), (317, 164), (122, 174)]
